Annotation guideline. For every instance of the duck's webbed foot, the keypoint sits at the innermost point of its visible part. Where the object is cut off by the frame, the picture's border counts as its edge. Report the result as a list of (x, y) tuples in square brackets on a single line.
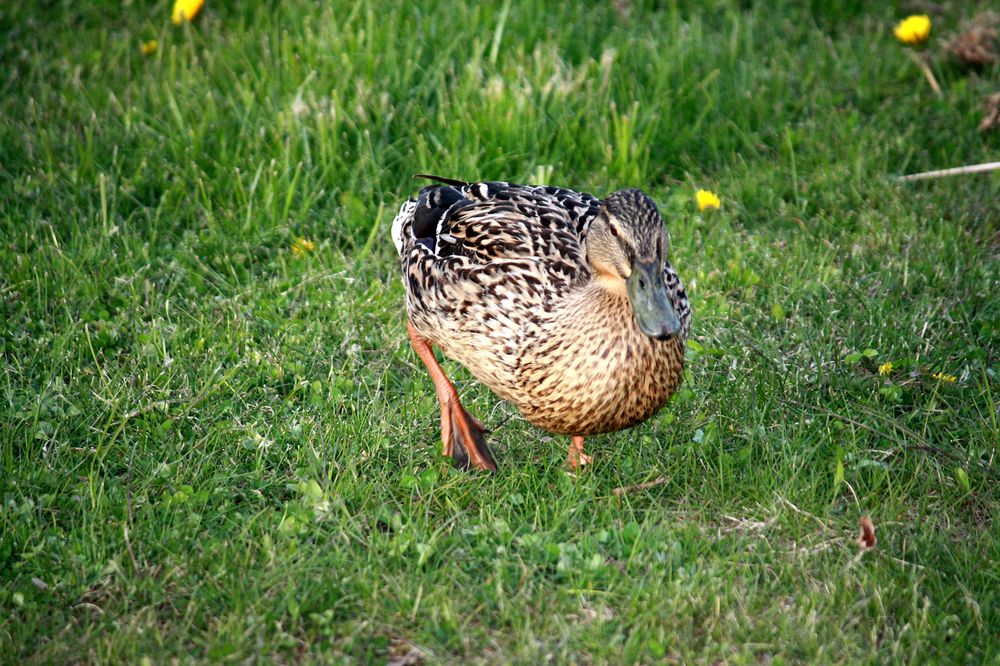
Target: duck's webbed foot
[(577, 458), (462, 434), (462, 438)]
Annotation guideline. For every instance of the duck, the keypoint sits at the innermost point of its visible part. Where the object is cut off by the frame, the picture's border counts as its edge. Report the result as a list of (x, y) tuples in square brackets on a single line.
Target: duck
[(563, 304)]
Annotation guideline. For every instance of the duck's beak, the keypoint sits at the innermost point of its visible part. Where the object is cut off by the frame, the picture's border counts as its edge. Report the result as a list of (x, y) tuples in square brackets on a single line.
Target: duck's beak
[(648, 293)]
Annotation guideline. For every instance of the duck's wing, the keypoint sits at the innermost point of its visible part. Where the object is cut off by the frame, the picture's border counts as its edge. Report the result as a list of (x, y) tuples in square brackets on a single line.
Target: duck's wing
[(523, 212), (503, 245)]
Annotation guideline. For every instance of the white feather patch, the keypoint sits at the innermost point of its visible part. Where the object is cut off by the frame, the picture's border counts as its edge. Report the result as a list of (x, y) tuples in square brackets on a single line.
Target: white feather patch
[(405, 214)]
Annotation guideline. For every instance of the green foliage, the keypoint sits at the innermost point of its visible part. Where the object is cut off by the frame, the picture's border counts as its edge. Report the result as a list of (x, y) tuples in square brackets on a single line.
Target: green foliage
[(215, 447)]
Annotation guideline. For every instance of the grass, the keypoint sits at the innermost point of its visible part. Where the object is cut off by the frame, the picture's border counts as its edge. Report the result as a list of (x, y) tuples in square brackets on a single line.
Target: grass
[(215, 448)]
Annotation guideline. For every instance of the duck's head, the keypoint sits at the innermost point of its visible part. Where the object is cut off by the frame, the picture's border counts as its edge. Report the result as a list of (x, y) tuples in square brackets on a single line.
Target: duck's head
[(627, 250)]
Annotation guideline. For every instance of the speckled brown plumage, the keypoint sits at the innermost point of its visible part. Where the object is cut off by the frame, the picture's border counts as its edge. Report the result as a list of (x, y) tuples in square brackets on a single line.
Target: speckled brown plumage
[(501, 278)]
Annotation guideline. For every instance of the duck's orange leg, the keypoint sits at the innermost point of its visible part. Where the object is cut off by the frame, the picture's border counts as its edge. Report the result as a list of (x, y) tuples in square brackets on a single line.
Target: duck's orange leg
[(577, 458), (461, 432)]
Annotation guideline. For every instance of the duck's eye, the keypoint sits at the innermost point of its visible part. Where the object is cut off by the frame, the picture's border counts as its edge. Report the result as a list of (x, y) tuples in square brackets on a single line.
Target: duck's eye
[(614, 230), (642, 284)]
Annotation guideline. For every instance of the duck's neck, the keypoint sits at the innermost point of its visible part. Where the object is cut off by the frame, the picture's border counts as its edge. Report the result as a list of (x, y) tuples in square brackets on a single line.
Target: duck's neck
[(611, 285), (601, 307)]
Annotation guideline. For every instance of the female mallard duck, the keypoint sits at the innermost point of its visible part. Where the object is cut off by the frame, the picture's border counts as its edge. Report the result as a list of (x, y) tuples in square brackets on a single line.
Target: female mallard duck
[(563, 304)]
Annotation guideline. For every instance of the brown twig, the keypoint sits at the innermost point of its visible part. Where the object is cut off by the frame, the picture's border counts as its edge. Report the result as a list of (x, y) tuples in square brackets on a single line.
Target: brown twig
[(941, 173), (131, 555), (923, 446), (659, 481), (805, 513)]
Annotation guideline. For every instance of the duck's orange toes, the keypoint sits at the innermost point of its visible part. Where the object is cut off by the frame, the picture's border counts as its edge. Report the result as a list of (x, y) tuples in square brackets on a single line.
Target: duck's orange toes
[(461, 433), (468, 444), (577, 458)]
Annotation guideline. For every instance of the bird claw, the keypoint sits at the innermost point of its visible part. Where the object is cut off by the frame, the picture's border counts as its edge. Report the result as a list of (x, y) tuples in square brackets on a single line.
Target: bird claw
[(577, 460), (467, 445)]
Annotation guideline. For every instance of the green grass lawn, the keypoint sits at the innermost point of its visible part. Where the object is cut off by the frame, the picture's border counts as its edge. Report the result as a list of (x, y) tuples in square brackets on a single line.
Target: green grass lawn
[(217, 445)]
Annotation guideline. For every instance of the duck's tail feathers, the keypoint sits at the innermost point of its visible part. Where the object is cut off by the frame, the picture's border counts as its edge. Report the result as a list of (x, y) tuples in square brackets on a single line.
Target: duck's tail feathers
[(442, 179)]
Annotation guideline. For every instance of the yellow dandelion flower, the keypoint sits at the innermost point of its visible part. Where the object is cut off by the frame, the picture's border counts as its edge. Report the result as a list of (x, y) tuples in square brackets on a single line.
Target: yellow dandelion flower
[(913, 29), (186, 10), (707, 200), (941, 377), (301, 247), (885, 369), (149, 48)]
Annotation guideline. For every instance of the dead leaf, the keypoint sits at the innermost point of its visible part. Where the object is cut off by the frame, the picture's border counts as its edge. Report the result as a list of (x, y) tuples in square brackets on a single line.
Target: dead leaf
[(867, 538), (977, 44), (404, 653), (623, 8), (991, 105)]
